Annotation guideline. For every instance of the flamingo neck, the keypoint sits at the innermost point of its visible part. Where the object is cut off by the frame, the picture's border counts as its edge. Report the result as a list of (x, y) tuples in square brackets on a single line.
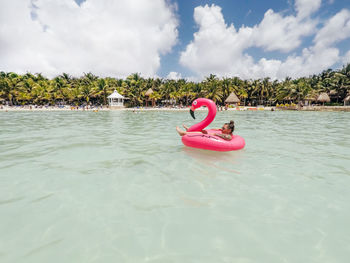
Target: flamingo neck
[(210, 117)]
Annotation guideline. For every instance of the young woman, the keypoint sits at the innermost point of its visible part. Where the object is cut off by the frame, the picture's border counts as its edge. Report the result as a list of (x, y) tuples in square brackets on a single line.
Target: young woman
[(226, 131)]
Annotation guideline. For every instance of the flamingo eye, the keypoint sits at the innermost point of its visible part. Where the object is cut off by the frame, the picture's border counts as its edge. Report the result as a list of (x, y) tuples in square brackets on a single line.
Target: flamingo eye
[(195, 102)]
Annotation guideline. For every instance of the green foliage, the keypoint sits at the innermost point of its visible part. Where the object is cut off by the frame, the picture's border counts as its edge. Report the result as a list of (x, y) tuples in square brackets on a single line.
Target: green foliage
[(333, 104), (65, 89)]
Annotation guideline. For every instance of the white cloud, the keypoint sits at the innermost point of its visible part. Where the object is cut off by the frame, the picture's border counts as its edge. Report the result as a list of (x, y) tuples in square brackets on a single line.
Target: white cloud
[(215, 44), (306, 7), (335, 29), (276, 32), (312, 60), (112, 38), (220, 49), (174, 75)]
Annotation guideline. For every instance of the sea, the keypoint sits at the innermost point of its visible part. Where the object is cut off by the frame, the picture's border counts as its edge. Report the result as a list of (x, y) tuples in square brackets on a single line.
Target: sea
[(119, 186)]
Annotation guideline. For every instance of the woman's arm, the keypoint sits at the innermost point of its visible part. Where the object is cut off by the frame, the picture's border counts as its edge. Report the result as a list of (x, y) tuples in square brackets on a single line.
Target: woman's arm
[(227, 137)]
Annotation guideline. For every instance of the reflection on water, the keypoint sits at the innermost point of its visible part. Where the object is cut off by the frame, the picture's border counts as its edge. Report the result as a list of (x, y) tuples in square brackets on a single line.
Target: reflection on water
[(217, 160), (121, 187)]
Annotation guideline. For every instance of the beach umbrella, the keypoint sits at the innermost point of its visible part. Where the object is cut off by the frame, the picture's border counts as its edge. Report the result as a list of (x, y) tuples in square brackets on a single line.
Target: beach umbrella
[(232, 99), (323, 97)]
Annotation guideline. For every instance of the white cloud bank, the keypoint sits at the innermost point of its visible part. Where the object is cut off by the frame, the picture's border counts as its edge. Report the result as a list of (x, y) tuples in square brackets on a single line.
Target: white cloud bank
[(108, 38), (220, 49), (174, 75)]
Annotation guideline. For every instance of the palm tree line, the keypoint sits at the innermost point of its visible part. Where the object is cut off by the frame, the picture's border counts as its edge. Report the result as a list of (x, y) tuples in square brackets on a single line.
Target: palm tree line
[(89, 89)]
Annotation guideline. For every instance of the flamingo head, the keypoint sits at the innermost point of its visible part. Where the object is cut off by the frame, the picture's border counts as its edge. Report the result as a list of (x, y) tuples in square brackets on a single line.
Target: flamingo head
[(197, 103), (194, 106)]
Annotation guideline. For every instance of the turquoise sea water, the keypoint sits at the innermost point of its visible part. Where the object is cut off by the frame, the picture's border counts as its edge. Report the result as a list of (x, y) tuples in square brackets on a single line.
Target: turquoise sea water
[(120, 187)]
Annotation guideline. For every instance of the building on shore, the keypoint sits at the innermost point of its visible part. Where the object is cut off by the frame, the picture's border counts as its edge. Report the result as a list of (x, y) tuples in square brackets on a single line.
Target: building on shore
[(323, 97), (116, 100), (147, 95), (233, 99)]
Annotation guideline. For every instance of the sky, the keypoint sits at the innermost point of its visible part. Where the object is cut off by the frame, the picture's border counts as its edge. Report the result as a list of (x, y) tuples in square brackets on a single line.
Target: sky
[(175, 39)]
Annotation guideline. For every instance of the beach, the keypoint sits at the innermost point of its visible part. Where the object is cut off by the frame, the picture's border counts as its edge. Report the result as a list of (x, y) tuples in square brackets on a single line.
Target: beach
[(106, 108)]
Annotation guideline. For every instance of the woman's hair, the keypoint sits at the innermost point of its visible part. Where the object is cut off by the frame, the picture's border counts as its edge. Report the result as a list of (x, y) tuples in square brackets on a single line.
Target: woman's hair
[(231, 125)]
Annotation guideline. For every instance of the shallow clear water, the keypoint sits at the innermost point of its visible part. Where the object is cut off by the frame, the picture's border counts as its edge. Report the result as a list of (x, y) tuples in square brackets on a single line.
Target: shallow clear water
[(120, 187)]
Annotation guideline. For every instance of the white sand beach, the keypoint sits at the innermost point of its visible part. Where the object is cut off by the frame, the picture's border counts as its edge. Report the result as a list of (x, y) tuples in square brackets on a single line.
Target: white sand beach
[(5, 108), (71, 108)]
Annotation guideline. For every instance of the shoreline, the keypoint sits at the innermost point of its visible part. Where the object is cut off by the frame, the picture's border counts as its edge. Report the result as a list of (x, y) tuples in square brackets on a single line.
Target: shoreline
[(239, 108)]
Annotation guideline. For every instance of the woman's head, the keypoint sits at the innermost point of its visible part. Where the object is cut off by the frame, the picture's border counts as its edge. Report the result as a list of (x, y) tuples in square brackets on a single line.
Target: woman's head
[(228, 127)]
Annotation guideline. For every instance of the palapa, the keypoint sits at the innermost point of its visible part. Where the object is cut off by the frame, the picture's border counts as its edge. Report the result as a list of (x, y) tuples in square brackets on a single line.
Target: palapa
[(149, 92), (323, 98), (232, 98)]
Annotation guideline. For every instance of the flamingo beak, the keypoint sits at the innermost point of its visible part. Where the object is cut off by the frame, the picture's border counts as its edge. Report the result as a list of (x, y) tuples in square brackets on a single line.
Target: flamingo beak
[(192, 113)]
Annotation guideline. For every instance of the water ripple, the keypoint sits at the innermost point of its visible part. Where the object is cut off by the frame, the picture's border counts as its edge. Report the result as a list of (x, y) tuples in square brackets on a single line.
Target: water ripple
[(119, 186)]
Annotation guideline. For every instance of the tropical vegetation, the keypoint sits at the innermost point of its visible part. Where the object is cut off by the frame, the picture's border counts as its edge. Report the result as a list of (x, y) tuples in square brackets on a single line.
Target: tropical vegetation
[(16, 89)]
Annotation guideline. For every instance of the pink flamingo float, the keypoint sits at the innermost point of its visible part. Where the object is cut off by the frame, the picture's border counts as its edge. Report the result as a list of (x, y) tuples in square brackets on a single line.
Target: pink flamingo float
[(209, 141)]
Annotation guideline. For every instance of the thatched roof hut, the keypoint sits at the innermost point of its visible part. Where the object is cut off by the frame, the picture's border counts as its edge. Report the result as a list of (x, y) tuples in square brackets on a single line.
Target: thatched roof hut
[(323, 97), (149, 92), (232, 99)]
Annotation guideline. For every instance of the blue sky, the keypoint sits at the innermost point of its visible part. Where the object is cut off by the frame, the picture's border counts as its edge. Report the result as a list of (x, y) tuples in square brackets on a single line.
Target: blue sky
[(175, 38), (249, 13), (235, 11)]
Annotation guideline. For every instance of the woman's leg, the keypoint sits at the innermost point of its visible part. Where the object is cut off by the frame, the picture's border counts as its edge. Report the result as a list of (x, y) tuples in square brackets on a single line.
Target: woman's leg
[(186, 128), (182, 133)]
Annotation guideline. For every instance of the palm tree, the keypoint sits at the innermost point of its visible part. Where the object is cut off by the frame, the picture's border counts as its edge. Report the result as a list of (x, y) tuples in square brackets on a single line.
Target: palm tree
[(226, 89), (211, 88), (167, 89), (102, 90), (87, 92), (134, 86), (66, 78), (155, 96), (255, 90), (187, 93), (342, 80), (10, 90)]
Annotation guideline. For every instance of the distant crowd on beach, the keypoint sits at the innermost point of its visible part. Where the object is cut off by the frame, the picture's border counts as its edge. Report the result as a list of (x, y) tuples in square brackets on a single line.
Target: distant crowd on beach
[(170, 108), (52, 107)]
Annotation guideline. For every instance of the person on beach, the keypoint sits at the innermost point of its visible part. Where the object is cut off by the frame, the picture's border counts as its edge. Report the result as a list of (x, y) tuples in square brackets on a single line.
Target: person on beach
[(226, 131)]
